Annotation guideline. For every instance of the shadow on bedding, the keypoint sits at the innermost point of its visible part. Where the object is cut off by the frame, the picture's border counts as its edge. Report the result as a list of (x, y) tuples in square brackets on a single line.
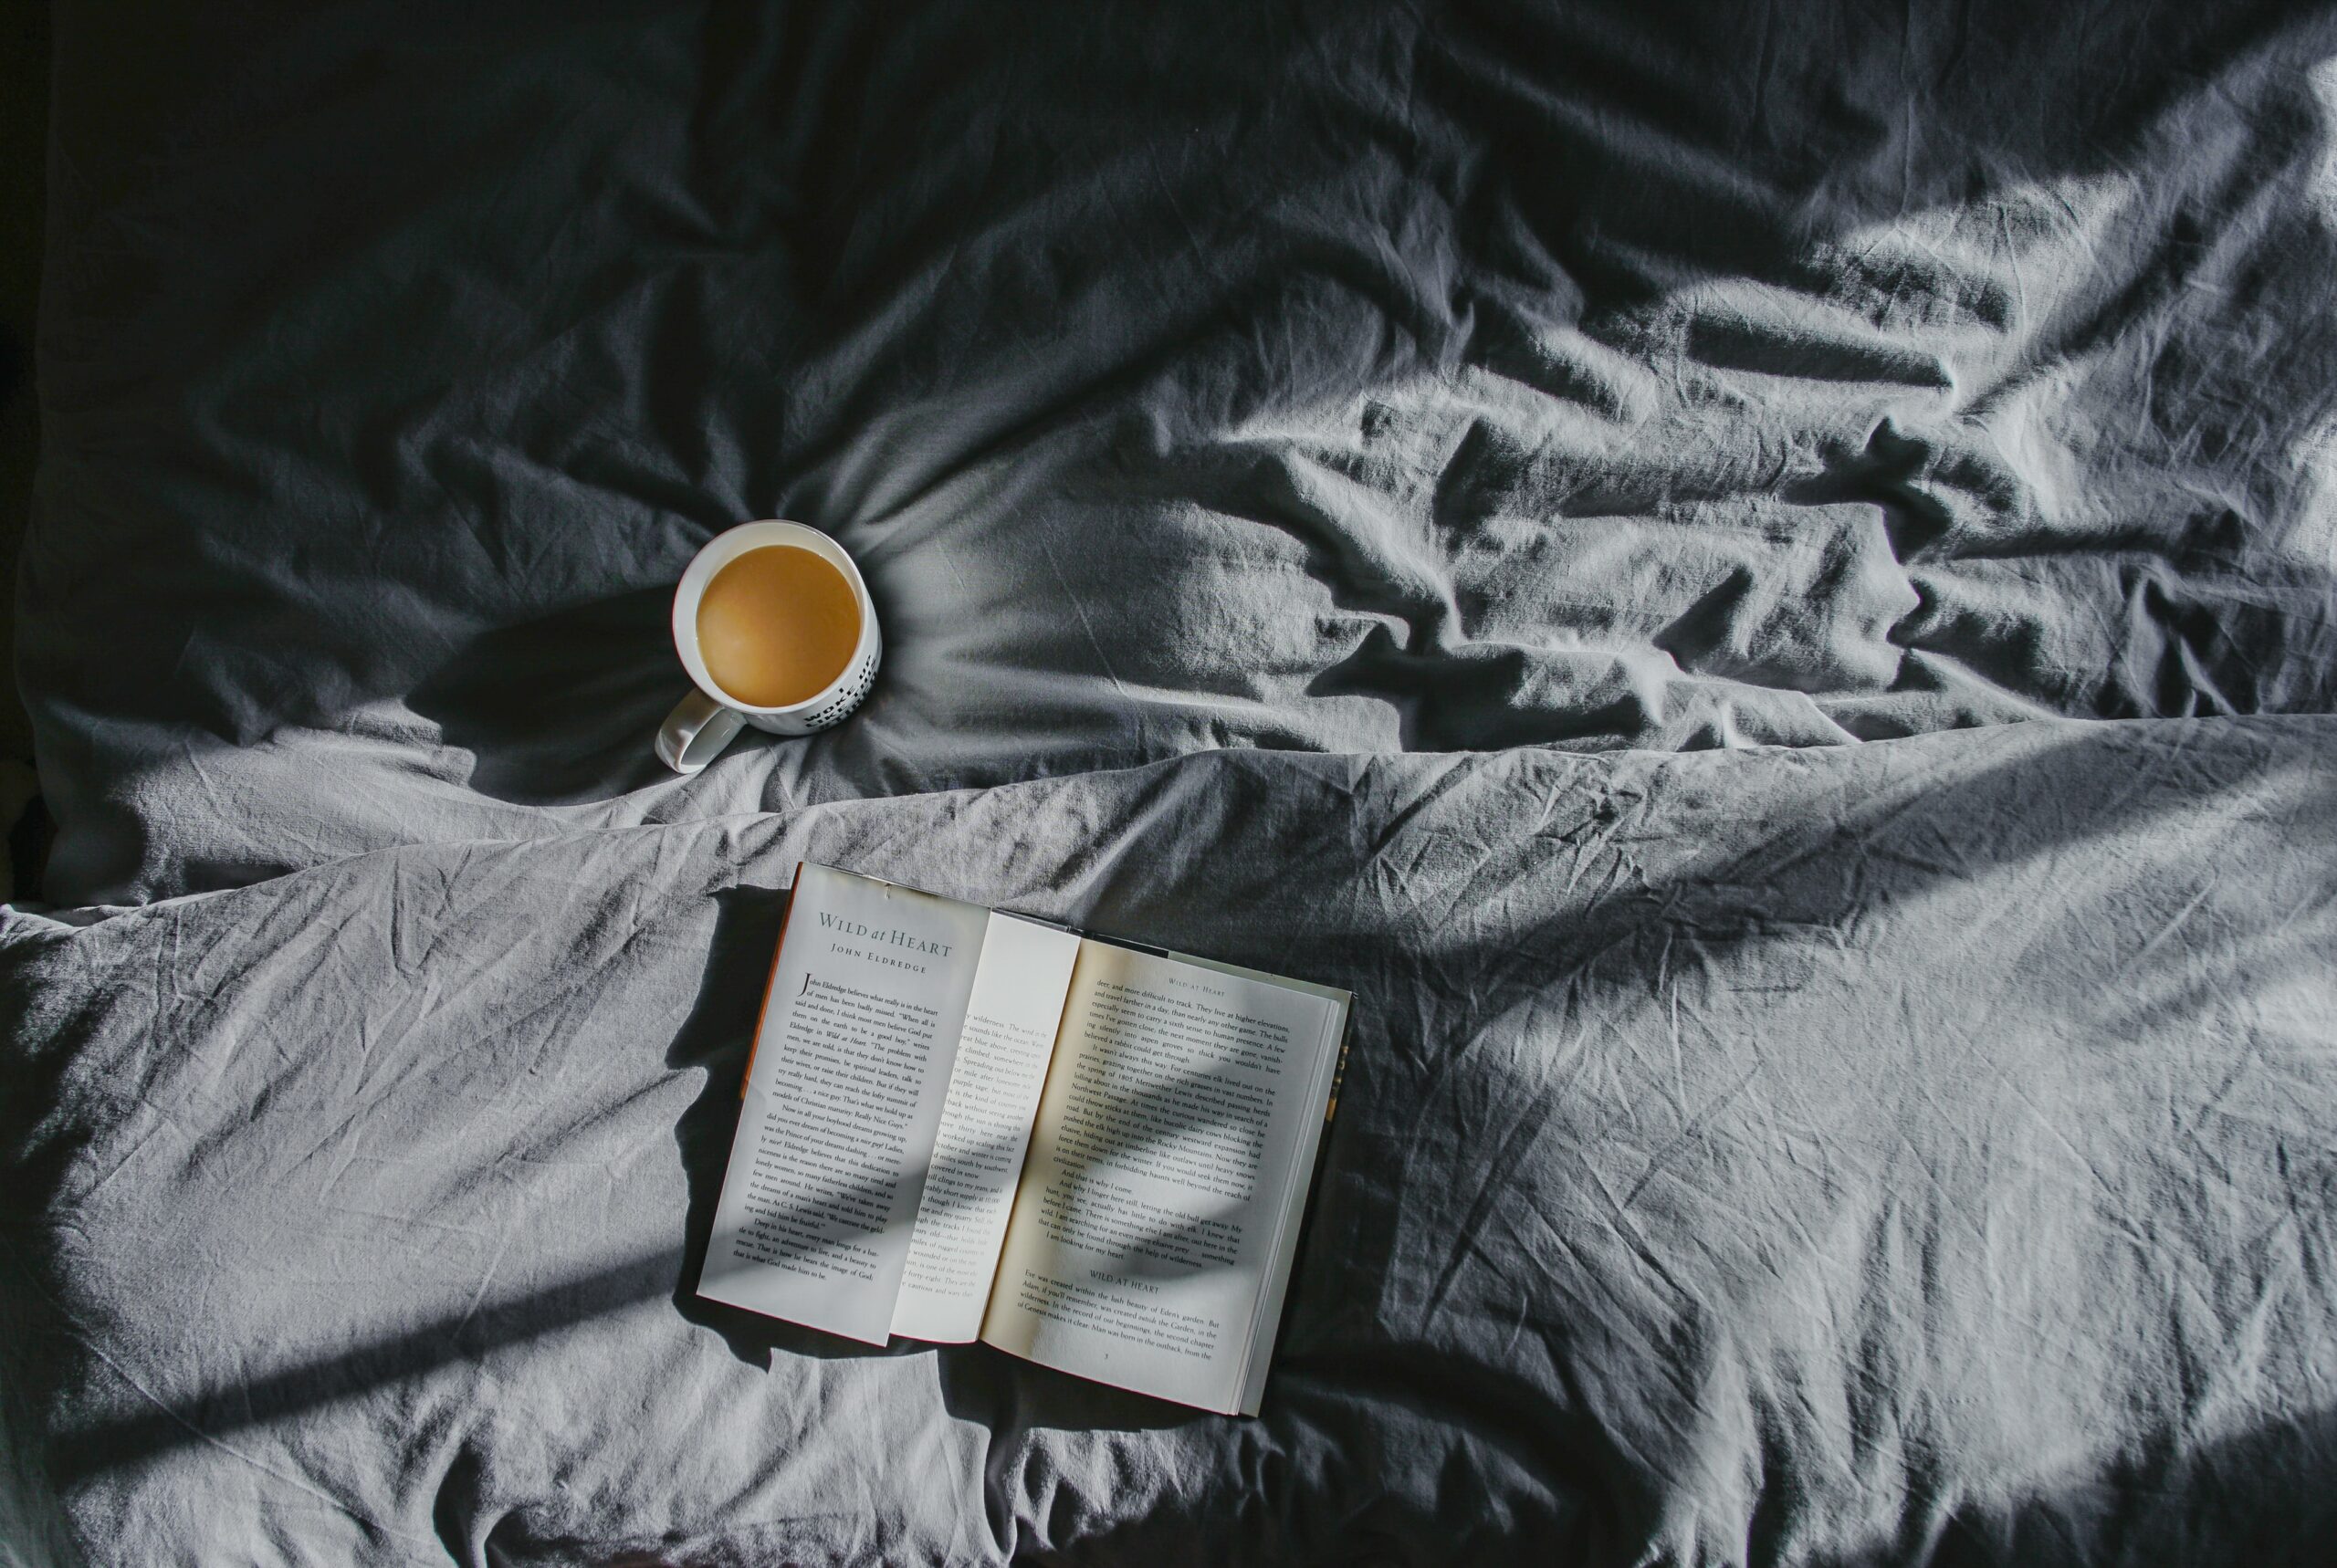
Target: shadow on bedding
[(562, 709), (1748, 934), (713, 1038), (1815, 884), (2270, 1488), (2246, 1499), (921, 276), (1358, 564)]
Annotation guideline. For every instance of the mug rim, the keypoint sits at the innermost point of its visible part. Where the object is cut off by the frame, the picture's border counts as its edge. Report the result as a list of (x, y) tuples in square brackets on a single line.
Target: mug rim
[(727, 547)]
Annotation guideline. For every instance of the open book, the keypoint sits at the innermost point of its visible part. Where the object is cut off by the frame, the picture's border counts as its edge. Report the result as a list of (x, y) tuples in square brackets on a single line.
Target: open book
[(964, 1124)]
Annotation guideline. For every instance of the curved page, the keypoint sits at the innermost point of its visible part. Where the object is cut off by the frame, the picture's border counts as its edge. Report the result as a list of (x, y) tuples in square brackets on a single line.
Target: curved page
[(1152, 1235), (843, 1097), (1003, 1054)]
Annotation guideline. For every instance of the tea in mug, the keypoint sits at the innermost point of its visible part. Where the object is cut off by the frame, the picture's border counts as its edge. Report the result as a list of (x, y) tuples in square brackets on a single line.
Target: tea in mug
[(776, 626)]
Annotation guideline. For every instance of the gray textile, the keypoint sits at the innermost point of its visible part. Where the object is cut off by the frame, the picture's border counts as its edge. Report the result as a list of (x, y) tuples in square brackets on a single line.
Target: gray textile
[(1793, 1157), (1613, 530), (1347, 377)]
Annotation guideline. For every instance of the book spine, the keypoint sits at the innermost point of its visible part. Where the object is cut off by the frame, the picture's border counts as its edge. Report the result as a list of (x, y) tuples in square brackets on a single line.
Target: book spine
[(763, 1015), (1339, 1068)]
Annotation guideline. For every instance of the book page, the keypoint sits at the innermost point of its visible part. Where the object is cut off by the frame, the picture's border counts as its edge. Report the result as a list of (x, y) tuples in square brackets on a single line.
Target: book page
[(1003, 1055), (1152, 1236), (843, 1096)]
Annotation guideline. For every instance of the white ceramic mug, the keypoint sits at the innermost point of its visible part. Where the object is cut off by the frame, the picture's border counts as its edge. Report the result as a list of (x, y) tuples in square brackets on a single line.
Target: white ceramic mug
[(704, 722)]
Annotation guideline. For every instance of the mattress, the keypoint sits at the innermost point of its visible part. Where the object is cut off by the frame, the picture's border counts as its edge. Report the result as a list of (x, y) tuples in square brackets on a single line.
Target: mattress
[(1756, 582)]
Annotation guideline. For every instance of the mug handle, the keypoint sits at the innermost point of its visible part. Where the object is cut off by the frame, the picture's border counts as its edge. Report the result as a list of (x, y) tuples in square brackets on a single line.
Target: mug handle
[(696, 732)]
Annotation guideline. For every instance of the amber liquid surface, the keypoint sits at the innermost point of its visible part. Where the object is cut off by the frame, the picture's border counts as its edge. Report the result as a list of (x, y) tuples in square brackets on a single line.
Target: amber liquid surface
[(776, 626)]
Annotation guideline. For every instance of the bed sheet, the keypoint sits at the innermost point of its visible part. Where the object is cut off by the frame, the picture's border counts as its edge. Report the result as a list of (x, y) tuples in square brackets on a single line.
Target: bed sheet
[(1342, 378), (1911, 1154)]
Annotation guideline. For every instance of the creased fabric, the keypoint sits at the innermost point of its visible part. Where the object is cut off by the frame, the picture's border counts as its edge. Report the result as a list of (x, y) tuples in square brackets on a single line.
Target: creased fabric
[(1756, 581), (1359, 377), (1909, 1153)]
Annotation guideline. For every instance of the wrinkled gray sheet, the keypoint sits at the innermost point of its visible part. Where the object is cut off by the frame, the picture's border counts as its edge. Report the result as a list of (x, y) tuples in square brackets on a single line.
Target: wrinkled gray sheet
[(1904, 1152), (1539, 514), (1346, 377)]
